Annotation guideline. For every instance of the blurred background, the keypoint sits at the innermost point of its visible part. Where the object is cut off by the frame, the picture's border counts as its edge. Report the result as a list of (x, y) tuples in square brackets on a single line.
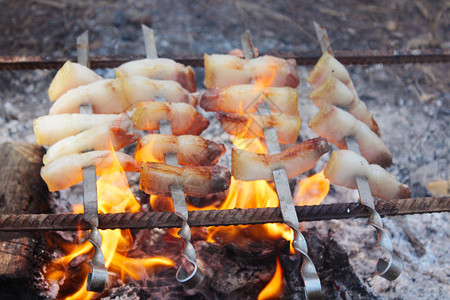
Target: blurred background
[(48, 27)]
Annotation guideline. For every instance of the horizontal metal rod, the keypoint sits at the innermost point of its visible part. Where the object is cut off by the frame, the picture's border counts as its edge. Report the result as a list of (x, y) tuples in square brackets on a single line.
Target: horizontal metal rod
[(226, 217), (196, 60)]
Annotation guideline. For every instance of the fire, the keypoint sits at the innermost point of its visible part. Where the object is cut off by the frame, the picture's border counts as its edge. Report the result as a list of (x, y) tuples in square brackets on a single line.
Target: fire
[(312, 190), (260, 194), (273, 288), (262, 82), (143, 153), (114, 196), (254, 194)]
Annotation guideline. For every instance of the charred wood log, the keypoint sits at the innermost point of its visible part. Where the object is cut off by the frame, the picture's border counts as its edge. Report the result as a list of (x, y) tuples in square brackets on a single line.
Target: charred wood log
[(21, 191), (339, 279)]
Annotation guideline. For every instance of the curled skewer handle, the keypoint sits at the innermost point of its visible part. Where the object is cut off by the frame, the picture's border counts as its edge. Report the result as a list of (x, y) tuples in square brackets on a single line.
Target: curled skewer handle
[(96, 280), (392, 268), (313, 288), (193, 279)]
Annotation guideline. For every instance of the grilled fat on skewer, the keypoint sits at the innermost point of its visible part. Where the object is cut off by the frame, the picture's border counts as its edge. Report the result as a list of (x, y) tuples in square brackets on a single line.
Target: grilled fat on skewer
[(111, 96), (196, 181), (191, 150), (66, 171), (246, 98), (50, 129), (160, 68), (334, 92), (335, 124), (116, 135), (249, 166), (326, 66), (224, 70), (345, 165), (70, 76), (252, 125), (183, 117)]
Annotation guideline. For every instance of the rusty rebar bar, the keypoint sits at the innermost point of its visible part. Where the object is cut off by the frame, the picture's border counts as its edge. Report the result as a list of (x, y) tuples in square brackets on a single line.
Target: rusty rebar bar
[(199, 218), (196, 60)]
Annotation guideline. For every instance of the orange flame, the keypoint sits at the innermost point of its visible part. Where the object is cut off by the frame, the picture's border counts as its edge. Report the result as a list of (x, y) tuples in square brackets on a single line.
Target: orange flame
[(259, 94), (261, 194), (253, 194), (114, 196), (266, 80), (144, 153), (273, 289), (312, 190)]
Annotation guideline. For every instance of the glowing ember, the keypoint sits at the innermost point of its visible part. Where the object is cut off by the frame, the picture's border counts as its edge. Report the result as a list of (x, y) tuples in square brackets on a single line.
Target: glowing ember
[(114, 196)]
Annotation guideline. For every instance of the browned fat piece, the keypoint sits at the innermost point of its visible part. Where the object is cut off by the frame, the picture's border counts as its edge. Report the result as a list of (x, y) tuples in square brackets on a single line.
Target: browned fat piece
[(246, 98), (334, 124), (191, 150), (345, 165), (222, 70), (111, 96), (196, 181), (107, 136), (252, 125), (183, 117), (295, 160), (66, 171), (160, 68)]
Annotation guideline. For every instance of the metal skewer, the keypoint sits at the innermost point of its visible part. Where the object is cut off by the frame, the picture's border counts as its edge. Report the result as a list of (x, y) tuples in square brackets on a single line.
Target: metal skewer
[(96, 280), (224, 217), (193, 279), (391, 268), (353, 57), (313, 289)]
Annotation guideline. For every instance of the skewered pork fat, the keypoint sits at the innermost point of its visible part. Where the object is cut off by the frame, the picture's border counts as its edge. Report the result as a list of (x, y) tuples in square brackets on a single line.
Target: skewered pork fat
[(345, 165), (326, 66), (183, 117), (191, 150), (50, 129), (295, 160), (70, 76), (66, 171), (111, 96), (246, 98), (116, 135), (197, 181), (252, 125), (335, 92), (222, 70), (335, 124), (160, 68)]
